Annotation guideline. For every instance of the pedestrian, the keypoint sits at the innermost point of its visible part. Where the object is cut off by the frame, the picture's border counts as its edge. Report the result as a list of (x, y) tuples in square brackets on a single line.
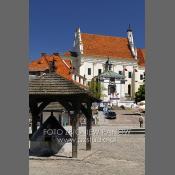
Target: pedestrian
[(141, 121)]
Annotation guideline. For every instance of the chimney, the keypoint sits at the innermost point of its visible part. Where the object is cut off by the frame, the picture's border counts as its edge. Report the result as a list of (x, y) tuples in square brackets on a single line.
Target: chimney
[(52, 66), (56, 54)]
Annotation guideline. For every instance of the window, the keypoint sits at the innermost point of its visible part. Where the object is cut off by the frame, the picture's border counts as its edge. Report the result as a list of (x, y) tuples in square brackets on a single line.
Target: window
[(129, 90), (129, 74), (120, 72), (89, 71), (141, 77), (99, 71)]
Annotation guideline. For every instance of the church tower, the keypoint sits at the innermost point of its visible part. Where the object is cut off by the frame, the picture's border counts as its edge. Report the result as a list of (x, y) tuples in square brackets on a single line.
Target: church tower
[(131, 41), (78, 45)]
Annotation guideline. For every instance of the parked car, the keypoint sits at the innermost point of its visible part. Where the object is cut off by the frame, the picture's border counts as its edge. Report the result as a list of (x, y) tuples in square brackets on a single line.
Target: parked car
[(110, 115)]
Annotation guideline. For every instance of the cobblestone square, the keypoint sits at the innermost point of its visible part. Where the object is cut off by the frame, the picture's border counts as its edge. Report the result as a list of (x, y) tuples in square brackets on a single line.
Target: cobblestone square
[(126, 156)]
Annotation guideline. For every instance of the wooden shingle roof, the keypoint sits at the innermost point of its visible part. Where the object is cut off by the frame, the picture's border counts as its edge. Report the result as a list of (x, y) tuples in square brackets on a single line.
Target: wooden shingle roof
[(53, 84)]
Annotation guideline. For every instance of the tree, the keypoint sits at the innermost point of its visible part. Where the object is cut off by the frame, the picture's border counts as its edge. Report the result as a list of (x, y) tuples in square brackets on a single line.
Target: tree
[(140, 94), (95, 88)]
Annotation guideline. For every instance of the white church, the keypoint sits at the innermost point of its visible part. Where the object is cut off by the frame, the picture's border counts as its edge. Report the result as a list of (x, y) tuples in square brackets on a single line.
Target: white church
[(126, 71)]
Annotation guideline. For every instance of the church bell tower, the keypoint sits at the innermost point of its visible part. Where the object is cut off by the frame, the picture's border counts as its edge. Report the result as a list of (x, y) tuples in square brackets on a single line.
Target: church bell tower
[(131, 41)]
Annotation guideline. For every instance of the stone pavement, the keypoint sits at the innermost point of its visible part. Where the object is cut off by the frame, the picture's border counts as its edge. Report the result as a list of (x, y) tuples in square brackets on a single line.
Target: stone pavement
[(125, 118), (124, 156)]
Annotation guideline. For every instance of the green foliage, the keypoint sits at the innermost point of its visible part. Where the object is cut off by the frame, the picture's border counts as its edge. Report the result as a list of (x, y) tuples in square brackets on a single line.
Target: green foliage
[(140, 94), (95, 88)]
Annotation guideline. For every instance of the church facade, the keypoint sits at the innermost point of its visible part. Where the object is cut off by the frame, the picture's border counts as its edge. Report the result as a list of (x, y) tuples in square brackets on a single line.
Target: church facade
[(125, 59)]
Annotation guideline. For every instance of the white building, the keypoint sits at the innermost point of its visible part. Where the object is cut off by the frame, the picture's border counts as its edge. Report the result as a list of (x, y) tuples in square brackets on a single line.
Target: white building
[(94, 50)]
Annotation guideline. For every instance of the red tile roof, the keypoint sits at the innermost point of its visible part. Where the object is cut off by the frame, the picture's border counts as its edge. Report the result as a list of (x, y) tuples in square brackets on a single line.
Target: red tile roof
[(141, 57), (106, 46), (63, 67)]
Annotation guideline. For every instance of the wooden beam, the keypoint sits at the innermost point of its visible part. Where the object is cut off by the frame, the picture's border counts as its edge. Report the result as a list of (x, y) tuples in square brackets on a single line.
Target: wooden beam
[(34, 123), (88, 133), (34, 112), (88, 127), (41, 118), (66, 105), (75, 124), (42, 106), (88, 113)]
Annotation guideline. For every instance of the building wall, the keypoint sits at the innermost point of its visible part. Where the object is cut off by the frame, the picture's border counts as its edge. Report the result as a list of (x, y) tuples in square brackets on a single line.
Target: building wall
[(139, 82), (90, 63), (118, 65)]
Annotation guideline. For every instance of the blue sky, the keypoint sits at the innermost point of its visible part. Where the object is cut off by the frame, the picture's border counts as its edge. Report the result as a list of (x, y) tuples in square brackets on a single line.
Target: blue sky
[(52, 22)]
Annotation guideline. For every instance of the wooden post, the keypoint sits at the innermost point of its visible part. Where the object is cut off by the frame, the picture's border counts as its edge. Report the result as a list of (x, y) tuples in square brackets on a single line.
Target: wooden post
[(88, 127), (34, 123), (41, 118), (34, 112), (75, 124)]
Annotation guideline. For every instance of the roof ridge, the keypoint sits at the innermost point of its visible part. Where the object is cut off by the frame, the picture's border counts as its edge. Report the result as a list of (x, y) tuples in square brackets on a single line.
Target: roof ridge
[(103, 35), (54, 74)]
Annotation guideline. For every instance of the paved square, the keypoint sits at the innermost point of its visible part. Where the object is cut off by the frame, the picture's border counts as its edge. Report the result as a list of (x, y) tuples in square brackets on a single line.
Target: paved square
[(126, 156)]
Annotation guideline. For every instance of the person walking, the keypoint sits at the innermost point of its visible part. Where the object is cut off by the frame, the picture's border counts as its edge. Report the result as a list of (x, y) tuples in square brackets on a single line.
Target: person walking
[(141, 121)]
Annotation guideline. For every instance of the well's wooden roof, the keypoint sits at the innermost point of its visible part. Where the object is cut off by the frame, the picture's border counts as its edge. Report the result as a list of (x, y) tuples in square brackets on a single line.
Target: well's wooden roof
[(54, 84)]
